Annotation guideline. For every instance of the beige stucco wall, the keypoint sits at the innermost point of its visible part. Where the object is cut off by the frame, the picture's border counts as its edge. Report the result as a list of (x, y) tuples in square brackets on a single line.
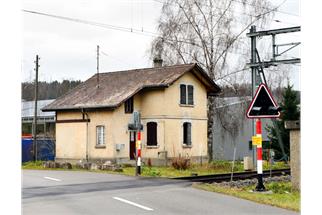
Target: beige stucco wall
[(160, 105), (71, 140)]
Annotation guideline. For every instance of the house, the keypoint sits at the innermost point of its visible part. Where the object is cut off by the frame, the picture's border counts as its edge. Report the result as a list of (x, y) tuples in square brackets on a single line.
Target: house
[(234, 129), (92, 119), (45, 120)]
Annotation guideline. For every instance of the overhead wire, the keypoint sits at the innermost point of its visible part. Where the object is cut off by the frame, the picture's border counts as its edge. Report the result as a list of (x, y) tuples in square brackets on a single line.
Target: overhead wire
[(125, 29)]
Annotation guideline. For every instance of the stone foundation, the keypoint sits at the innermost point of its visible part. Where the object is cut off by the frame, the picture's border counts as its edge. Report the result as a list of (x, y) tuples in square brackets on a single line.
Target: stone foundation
[(154, 161)]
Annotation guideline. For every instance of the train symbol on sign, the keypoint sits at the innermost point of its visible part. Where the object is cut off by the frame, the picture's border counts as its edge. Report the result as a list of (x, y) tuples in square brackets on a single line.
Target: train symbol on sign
[(263, 105)]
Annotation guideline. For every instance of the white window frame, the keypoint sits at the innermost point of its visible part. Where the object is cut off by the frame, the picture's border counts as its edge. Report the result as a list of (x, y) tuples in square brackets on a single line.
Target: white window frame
[(100, 135), (193, 95)]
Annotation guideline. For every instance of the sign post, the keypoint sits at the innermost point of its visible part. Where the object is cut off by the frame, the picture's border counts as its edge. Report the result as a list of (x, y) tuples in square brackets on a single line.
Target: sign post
[(138, 149), (136, 125), (260, 186), (262, 106)]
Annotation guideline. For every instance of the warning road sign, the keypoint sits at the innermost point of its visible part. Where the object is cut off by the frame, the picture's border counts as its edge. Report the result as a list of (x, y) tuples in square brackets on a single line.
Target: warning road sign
[(263, 105)]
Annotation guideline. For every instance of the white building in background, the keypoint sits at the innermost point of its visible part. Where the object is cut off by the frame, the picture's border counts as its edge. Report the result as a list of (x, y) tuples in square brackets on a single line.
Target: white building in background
[(45, 120)]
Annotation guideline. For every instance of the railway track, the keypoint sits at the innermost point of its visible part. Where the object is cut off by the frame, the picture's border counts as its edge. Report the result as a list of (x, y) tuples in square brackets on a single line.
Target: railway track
[(236, 176)]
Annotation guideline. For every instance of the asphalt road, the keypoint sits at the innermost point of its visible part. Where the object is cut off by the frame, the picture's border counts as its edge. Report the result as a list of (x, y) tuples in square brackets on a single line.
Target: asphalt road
[(73, 192)]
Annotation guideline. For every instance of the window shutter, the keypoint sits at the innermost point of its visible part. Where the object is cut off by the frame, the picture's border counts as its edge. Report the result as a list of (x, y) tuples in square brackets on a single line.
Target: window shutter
[(128, 105), (190, 94), (188, 133), (183, 94), (152, 134)]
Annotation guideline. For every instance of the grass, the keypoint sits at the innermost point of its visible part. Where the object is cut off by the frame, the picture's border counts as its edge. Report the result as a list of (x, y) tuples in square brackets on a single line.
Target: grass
[(282, 195), (215, 167)]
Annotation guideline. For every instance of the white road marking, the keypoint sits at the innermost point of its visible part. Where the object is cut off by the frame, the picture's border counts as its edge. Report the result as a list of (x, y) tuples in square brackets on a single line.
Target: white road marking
[(54, 179), (133, 203)]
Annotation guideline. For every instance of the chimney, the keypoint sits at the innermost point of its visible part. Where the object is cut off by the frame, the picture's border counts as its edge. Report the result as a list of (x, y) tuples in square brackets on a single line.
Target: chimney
[(157, 62)]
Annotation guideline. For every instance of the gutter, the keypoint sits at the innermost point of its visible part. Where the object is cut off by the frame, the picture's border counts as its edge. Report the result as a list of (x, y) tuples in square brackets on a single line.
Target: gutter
[(87, 133)]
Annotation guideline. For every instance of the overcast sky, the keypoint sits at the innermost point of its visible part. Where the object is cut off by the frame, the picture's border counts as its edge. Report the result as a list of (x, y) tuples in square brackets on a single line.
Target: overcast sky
[(68, 49)]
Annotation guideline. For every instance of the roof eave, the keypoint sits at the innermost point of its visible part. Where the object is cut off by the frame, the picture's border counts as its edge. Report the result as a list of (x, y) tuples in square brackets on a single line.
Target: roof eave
[(98, 107), (216, 89)]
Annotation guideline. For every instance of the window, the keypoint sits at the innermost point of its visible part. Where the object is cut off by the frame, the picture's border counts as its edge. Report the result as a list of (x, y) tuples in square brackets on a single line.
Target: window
[(151, 134), (187, 133), (100, 135), (128, 105), (183, 94), (186, 94), (190, 95)]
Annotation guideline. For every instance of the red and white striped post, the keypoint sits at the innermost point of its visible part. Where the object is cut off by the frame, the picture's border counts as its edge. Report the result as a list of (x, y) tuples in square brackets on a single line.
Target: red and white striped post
[(138, 145), (260, 186)]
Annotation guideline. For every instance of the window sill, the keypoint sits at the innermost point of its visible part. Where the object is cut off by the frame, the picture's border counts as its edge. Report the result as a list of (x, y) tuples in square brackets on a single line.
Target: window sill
[(185, 105), (100, 147), (153, 147), (186, 146)]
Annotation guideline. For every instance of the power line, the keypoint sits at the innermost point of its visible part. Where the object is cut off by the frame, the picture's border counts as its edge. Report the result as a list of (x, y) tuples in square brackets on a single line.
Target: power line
[(125, 29), (113, 27), (108, 55), (108, 26)]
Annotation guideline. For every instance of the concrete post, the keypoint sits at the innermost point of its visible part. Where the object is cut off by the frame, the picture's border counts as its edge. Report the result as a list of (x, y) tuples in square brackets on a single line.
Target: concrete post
[(295, 153)]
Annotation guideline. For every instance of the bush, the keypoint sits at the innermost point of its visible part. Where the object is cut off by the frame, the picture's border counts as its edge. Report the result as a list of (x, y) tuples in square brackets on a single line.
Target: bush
[(180, 163)]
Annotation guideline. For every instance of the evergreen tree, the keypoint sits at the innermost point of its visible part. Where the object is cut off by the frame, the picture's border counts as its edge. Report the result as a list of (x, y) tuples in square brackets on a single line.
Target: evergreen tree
[(277, 133)]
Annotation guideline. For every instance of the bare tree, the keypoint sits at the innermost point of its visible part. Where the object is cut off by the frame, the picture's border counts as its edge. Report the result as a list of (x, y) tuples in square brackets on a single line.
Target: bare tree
[(207, 32)]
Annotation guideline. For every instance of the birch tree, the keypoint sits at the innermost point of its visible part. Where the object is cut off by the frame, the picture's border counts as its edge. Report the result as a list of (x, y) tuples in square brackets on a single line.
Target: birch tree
[(212, 34)]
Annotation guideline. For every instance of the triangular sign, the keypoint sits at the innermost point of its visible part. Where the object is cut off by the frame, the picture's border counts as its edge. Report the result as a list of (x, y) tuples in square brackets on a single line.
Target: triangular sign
[(263, 105)]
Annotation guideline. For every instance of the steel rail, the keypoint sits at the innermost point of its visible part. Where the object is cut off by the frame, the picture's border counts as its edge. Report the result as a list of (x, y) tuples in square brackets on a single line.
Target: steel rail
[(236, 176)]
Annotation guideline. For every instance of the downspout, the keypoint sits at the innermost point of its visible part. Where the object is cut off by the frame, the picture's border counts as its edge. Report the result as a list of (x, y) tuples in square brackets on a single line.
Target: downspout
[(87, 138)]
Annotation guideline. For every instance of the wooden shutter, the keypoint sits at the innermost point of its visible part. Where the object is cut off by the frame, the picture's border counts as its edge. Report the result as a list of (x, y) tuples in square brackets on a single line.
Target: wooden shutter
[(190, 94), (188, 133), (152, 134), (128, 105), (182, 94)]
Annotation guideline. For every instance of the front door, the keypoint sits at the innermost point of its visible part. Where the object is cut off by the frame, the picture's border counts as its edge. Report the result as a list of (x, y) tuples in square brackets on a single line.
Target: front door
[(132, 144)]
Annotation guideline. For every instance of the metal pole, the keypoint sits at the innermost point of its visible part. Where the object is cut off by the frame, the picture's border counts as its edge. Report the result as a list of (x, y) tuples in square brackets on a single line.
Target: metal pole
[(273, 47), (97, 65), (34, 131), (260, 186), (270, 159), (253, 60), (138, 166)]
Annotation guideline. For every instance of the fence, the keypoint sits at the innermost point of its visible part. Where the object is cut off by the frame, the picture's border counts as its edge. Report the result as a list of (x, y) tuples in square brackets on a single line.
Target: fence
[(45, 149)]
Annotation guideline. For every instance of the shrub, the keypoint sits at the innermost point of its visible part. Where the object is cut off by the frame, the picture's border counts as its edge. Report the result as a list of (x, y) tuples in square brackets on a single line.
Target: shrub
[(180, 163)]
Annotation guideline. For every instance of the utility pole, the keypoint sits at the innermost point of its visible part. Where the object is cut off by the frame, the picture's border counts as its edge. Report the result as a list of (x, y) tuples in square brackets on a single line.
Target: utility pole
[(257, 65), (34, 130), (253, 60), (97, 65)]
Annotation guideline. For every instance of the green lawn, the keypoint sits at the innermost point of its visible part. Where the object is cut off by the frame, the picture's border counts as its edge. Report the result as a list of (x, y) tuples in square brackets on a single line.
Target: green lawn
[(282, 195)]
